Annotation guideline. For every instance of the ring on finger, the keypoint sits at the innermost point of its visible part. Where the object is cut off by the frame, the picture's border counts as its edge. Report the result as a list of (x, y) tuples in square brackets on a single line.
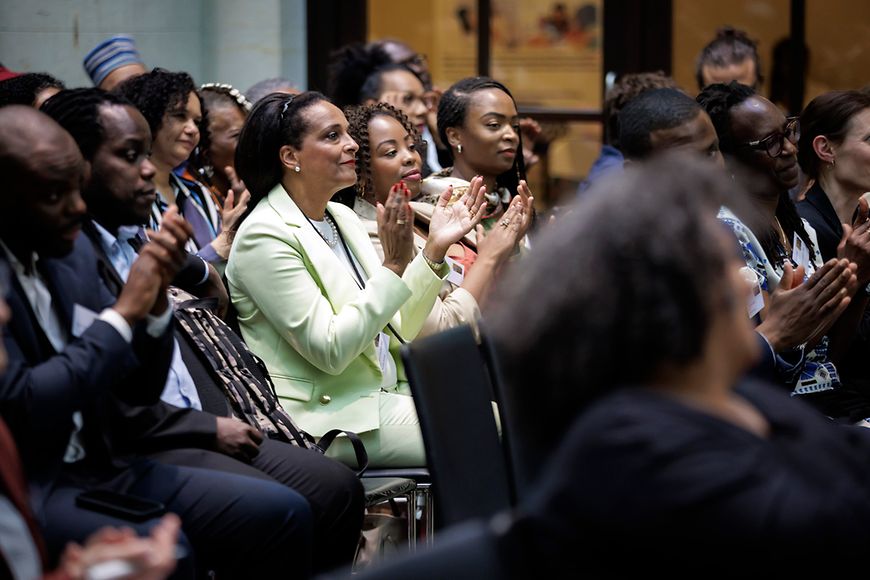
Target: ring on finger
[(400, 221)]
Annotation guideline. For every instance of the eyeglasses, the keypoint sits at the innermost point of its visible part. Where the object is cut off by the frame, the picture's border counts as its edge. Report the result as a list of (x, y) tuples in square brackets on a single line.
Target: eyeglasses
[(774, 143), (416, 59), (429, 99)]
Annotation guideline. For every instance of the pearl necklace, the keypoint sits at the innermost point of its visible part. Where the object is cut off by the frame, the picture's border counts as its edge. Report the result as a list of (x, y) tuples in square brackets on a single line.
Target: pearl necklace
[(332, 240)]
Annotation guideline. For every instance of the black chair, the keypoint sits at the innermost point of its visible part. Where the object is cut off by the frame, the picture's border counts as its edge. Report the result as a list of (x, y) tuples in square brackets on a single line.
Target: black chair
[(470, 551), (452, 393), (420, 497), (523, 460)]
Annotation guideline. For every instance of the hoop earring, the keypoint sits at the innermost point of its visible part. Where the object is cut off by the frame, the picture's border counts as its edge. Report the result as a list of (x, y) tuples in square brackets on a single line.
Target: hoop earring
[(459, 148)]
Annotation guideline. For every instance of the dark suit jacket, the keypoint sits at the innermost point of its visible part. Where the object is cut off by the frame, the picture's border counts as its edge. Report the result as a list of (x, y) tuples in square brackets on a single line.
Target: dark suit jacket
[(161, 426), (819, 212), (42, 388)]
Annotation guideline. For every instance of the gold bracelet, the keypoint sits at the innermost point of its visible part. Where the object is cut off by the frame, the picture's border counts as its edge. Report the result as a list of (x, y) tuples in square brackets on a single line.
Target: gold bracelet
[(436, 266)]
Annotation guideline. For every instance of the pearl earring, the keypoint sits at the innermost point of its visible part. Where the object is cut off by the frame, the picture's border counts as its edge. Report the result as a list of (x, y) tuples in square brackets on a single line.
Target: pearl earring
[(297, 169)]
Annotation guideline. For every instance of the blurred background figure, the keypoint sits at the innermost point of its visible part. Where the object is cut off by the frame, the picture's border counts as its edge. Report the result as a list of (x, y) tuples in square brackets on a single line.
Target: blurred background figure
[(731, 56), (268, 86), (113, 61)]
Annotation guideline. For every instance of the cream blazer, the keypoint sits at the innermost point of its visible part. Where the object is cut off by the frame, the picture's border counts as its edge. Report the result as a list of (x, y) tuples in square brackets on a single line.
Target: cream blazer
[(301, 310)]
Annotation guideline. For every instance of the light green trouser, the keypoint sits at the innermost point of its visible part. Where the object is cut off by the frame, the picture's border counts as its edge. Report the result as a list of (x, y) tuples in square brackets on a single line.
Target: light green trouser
[(397, 443)]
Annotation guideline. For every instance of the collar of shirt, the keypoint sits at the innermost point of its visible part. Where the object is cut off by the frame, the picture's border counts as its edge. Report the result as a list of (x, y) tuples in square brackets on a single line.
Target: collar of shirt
[(118, 249), (17, 267)]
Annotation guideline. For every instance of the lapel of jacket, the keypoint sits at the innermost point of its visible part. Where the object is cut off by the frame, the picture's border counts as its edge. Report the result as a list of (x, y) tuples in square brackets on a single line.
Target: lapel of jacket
[(110, 276), (23, 324), (358, 241), (335, 280), (819, 199), (57, 277)]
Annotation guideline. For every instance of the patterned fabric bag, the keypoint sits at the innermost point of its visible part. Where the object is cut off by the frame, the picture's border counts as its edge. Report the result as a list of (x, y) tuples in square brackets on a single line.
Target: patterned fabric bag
[(244, 379)]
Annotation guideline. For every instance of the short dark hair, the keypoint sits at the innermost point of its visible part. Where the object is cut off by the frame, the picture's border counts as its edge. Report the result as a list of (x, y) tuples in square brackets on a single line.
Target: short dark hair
[(276, 120), (358, 127), (78, 111), (650, 111), (634, 298), (829, 115), (624, 90), (22, 90), (453, 109), (730, 46), (718, 100)]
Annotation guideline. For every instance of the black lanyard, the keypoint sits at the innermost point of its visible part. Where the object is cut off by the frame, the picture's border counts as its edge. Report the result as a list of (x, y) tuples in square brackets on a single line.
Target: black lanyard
[(358, 277)]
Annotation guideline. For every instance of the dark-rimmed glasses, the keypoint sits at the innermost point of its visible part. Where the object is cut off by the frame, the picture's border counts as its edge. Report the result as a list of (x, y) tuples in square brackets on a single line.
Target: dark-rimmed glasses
[(774, 143)]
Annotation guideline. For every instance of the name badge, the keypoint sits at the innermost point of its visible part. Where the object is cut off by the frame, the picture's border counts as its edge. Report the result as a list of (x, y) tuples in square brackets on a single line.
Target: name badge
[(457, 272), (756, 299), (82, 319), (800, 254), (382, 345)]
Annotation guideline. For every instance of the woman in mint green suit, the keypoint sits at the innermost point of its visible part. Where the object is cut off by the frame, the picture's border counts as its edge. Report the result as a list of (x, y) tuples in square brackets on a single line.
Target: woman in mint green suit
[(314, 300)]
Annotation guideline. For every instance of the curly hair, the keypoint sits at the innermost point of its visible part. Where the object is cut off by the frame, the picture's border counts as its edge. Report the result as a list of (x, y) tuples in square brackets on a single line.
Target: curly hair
[(358, 119), (730, 46), (22, 90), (157, 92), (719, 100), (829, 115), (453, 109), (356, 72), (78, 111), (636, 299), (624, 90), (213, 96), (276, 120)]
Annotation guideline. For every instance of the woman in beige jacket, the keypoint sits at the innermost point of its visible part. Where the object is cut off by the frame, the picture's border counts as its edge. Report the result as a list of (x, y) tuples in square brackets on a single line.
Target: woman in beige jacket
[(389, 154)]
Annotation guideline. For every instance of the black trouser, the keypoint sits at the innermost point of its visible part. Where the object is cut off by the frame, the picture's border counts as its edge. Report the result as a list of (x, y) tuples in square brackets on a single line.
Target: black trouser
[(333, 491), (239, 526)]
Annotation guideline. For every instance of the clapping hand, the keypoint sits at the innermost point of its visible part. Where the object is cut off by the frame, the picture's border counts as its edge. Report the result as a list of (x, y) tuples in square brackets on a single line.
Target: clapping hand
[(451, 221), (396, 228)]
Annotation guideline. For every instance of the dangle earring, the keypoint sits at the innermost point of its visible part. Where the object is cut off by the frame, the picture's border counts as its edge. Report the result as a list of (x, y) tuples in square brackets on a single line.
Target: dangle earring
[(459, 148)]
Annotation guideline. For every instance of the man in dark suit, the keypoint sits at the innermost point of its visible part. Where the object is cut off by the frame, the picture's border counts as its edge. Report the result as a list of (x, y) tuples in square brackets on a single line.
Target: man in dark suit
[(119, 195), (75, 352)]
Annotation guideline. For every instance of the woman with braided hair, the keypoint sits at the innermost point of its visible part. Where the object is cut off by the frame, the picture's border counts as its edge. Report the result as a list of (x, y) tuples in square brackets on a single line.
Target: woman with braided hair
[(780, 247), (389, 154), (214, 165), (478, 121)]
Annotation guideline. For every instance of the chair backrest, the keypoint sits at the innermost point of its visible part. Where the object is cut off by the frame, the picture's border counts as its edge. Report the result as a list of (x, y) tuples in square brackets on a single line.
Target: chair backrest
[(523, 460), (452, 393)]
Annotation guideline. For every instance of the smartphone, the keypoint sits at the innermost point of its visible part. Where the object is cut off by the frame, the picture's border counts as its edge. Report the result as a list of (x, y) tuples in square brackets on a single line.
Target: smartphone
[(121, 505)]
